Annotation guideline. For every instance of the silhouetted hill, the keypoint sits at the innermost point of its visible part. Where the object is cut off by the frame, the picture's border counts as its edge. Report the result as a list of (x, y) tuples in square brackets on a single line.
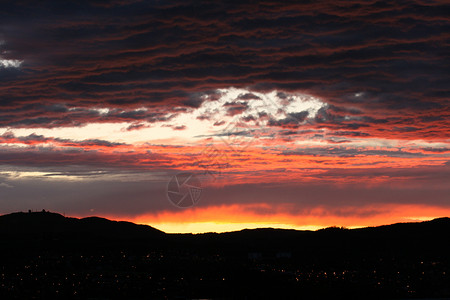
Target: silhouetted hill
[(48, 225), (37, 224), (52, 230), (45, 255)]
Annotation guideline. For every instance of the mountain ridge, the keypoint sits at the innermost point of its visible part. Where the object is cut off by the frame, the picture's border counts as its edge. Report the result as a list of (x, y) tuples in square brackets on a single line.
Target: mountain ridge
[(55, 223), (18, 218), (403, 260)]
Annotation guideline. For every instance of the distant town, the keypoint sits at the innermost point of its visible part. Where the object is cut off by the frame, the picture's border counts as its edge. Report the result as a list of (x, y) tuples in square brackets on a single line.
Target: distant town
[(54, 257)]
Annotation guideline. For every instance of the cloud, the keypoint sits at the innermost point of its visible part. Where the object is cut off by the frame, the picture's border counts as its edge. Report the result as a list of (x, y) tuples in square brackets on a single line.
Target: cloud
[(136, 126), (351, 152), (379, 59), (5, 185), (32, 139), (334, 93), (10, 63)]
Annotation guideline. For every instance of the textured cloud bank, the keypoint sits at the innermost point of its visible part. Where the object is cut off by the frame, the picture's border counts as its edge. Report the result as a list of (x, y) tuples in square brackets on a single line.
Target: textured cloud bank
[(333, 93), (387, 60)]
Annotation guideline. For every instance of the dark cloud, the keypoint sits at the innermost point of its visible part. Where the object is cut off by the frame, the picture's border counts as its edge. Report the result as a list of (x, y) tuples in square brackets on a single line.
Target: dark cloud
[(136, 126), (350, 152), (235, 108), (219, 123), (248, 96), (350, 133), (33, 138), (293, 120), (181, 127), (45, 152), (375, 57)]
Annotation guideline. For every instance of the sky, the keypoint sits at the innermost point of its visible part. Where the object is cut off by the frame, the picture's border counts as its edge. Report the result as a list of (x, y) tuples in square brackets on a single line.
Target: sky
[(201, 116)]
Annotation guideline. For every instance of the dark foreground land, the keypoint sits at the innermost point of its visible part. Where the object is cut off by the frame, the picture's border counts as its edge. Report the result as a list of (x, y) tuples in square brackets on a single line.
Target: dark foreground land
[(47, 256)]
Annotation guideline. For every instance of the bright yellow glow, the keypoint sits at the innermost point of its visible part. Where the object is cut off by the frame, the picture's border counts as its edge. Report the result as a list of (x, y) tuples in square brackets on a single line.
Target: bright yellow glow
[(202, 227)]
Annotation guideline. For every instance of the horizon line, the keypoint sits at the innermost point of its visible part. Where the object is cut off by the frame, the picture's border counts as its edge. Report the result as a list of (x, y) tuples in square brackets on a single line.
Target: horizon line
[(311, 228)]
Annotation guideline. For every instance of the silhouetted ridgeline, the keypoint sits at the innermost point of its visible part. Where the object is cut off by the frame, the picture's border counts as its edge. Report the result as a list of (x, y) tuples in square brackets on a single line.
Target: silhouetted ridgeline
[(45, 255), (35, 224)]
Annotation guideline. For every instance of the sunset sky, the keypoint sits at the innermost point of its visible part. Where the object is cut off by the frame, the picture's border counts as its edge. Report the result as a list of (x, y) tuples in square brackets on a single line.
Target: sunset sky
[(325, 113)]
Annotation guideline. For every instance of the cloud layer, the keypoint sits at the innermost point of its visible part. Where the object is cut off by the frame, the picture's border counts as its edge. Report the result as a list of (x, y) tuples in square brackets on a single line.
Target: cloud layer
[(380, 58), (352, 93)]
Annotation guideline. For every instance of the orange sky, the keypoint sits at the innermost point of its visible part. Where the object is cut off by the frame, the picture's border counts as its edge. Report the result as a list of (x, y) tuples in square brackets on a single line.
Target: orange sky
[(236, 217), (252, 174)]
